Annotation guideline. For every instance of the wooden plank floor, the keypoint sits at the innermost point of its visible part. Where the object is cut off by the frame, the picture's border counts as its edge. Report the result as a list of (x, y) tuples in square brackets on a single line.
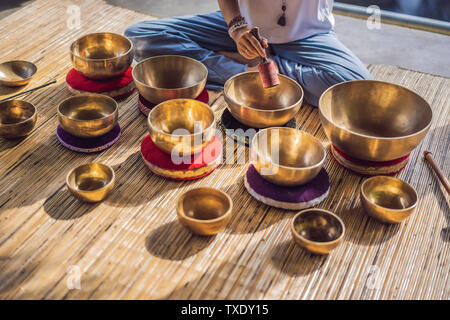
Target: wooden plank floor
[(131, 245)]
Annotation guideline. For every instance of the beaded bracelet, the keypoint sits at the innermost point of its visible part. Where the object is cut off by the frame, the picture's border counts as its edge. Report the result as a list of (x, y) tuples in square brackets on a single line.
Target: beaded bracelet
[(235, 20), (237, 26)]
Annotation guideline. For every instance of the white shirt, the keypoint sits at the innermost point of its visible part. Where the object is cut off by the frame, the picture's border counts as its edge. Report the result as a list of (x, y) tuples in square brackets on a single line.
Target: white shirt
[(303, 18)]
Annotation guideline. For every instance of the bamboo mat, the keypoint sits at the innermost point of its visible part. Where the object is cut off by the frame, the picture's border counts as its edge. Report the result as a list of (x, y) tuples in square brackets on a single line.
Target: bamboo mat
[(131, 245)]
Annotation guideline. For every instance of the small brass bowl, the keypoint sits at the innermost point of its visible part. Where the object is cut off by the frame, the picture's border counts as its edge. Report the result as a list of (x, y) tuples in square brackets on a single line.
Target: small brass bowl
[(17, 118), (88, 115), (16, 73), (286, 156), (258, 107), (205, 211), (319, 231), (162, 78), (102, 55), (374, 120), (181, 126), (91, 182), (388, 199)]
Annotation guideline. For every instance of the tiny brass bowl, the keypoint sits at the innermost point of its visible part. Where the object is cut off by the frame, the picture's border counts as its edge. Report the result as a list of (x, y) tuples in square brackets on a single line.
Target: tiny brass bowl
[(16, 73), (205, 211), (91, 182), (318, 231), (162, 78), (102, 55), (17, 118), (88, 115), (258, 107), (374, 120), (286, 156), (181, 126), (388, 199)]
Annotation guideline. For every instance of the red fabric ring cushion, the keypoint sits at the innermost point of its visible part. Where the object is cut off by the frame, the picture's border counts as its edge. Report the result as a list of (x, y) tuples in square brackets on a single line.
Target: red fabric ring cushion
[(118, 87), (368, 168), (191, 167)]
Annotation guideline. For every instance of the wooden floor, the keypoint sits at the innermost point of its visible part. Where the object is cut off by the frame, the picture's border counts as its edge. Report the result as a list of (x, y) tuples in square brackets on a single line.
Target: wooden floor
[(131, 245)]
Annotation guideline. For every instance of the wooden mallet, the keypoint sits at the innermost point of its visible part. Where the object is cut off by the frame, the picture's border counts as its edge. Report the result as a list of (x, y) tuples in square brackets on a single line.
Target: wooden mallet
[(267, 69), (438, 171)]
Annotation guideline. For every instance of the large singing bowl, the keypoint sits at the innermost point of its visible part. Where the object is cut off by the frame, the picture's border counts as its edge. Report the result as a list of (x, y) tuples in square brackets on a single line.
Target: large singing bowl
[(101, 55), (258, 107), (374, 120), (162, 78)]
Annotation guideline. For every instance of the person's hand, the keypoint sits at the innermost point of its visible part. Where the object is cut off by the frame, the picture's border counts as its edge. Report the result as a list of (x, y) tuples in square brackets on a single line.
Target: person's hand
[(248, 46)]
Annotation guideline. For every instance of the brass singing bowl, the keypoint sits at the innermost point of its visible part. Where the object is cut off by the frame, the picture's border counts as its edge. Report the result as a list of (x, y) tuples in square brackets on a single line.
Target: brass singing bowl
[(102, 55), (205, 211), (17, 118), (374, 120), (91, 182), (287, 156), (16, 73), (258, 107), (88, 115), (388, 199), (318, 231), (162, 78), (181, 126)]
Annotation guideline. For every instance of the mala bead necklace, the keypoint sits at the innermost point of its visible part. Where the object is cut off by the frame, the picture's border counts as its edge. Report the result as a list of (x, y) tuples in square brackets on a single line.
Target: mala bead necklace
[(282, 19)]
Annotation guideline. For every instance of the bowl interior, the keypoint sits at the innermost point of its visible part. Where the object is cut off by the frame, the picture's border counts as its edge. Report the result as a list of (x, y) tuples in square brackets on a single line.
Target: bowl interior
[(375, 109), (246, 89), (17, 70), (288, 147), (181, 117), (204, 204), (170, 72), (99, 46), (88, 107), (318, 226), (389, 193), (90, 177), (15, 111)]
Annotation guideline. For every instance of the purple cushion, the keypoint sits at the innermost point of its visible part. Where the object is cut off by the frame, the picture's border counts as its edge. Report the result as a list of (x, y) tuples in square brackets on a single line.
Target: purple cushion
[(305, 193), (88, 145)]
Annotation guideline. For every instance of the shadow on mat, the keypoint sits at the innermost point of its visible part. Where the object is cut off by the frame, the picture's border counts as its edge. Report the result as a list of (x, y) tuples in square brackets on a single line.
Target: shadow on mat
[(6, 144), (136, 184), (64, 206), (290, 258), (172, 241), (438, 190), (250, 215), (364, 230)]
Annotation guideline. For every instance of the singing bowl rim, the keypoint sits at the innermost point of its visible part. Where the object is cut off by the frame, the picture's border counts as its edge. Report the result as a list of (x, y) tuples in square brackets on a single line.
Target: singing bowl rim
[(102, 59), (169, 89), (376, 205), (425, 129), (106, 186), (321, 243), (31, 64), (116, 106), (292, 106), (23, 121), (160, 105), (224, 216), (319, 164)]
